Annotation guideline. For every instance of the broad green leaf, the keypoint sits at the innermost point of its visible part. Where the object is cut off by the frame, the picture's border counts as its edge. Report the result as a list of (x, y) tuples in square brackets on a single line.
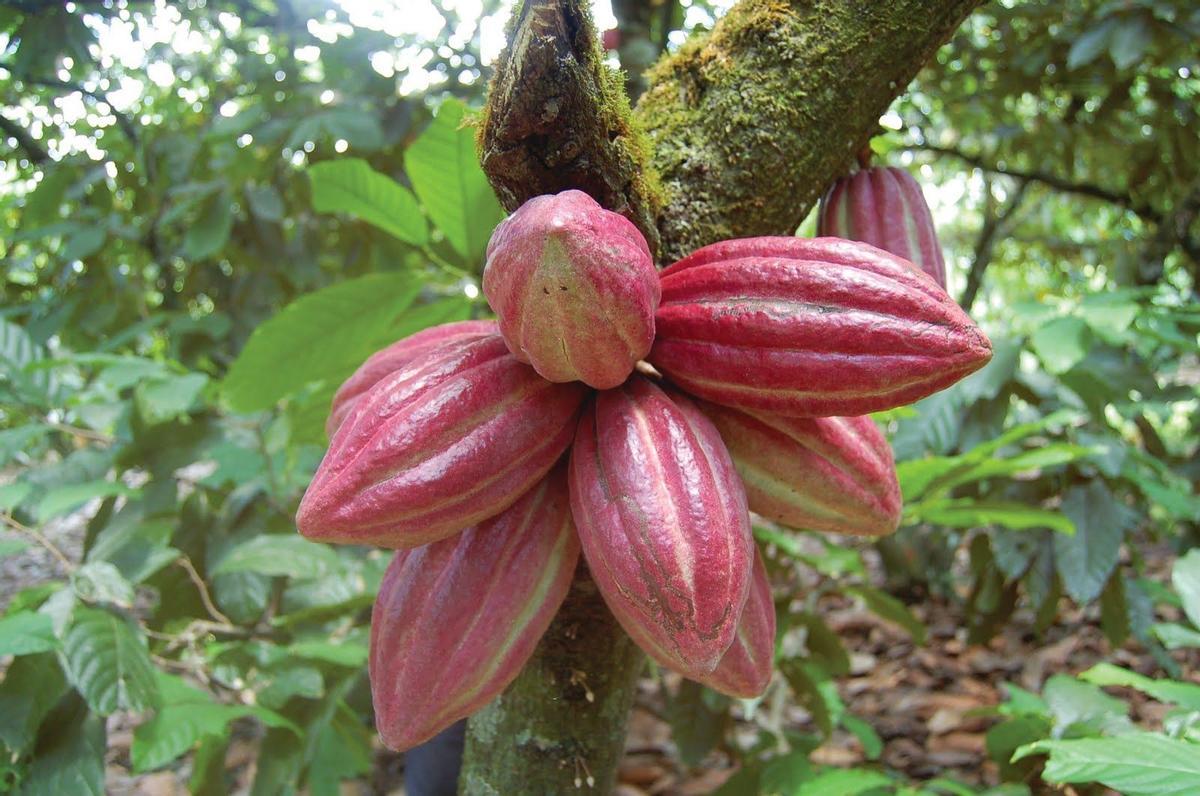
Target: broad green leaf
[(165, 399), (1052, 455), (834, 561), (17, 440), (265, 202), (108, 663), (1074, 703), (1129, 41), (1085, 559), (360, 130), (783, 774), (136, 547), (1140, 764), (65, 499), (1175, 636), (1062, 343), (101, 582), (1185, 577), (321, 336), (444, 168), (843, 782), (84, 242), (11, 495), (287, 555), (175, 729), (26, 633), (70, 758), (350, 185), (970, 513), (345, 652), (1087, 48), (1185, 695), (209, 233), (342, 750), (872, 744), (891, 609), (42, 205), (18, 352), (695, 727), (32, 685)]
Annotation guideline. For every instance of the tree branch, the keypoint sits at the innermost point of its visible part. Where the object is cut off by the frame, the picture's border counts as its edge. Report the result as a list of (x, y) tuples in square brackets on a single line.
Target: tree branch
[(36, 152), (558, 118), (123, 121), (993, 222), (751, 123), (1050, 180)]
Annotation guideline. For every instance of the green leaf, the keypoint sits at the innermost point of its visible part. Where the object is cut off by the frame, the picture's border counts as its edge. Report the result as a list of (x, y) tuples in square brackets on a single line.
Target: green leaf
[(1085, 560), (823, 645), (891, 609), (1185, 695), (783, 774), (275, 555), (834, 561), (342, 751), (18, 352), (320, 336), (175, 729), (265, 202), (843, 782), (1061, 343), (351, 186), (12, 495), (69, 758), (346, 652), (695, 727), (42, 205), (161, 400), (32, 685), (970, 513), (872, 744), (445, 173), (1129, 42), (1185, 577), (101, 582), (361, 130), (1082, 707), (11, 547), (209, 233), (1140, 764), (26, 633), (1087, 48), (17, 440), (1175, 636), (84, 242), (108, 663), (65, 499)]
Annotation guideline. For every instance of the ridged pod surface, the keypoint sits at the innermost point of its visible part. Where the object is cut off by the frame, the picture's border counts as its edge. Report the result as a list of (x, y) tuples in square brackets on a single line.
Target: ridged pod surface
[(884, 206), (392, 358), (455, 621), (574, 287), (745, 669), (810, 327), (444, 442), (818, 473), (663, 522)]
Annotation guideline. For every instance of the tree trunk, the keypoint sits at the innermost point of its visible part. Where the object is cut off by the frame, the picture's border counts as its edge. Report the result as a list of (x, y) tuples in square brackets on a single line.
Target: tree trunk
[(561, 725), (737, 135)]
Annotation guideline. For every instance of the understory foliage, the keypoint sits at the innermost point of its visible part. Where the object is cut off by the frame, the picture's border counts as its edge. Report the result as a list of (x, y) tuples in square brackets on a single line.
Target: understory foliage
[(210, 216)]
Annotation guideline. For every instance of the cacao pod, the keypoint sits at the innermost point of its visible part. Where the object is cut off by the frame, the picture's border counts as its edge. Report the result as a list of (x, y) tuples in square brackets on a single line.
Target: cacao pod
[(574, 288), (455, 621), (745, 669), (392, 358), (446, 441), (819, 326), (818, 473), (663, 522), (884, 206)]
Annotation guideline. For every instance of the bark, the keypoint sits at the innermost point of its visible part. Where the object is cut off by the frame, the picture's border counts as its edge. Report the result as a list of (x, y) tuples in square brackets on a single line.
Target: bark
[(749, 124), (560, 726), (994, 221), (558, 118)]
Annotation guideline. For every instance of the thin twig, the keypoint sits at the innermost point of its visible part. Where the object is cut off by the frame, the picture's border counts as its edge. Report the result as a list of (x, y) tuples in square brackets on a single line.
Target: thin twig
[(37, 536), (82, 433), (205, 597)]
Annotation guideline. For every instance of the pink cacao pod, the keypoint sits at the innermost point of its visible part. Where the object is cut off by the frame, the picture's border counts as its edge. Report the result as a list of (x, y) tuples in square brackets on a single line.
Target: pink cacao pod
[(745, 669), (446, 441), (808, 327), (884, 206), (818, 473), (663, 522), (455, 621), (392, 358), (574, 288)]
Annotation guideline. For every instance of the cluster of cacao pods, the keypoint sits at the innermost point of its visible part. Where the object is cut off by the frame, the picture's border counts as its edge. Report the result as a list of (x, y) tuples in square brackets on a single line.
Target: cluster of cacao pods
[(491, 454)]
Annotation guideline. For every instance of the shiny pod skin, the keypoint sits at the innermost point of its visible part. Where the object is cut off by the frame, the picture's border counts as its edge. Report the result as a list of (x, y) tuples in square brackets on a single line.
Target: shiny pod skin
[(455, 621), (446, 441), (810, 327), (663, 522)]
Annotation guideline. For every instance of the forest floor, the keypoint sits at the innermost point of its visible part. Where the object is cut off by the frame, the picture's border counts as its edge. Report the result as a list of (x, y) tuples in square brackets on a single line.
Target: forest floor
[(924, 702)]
